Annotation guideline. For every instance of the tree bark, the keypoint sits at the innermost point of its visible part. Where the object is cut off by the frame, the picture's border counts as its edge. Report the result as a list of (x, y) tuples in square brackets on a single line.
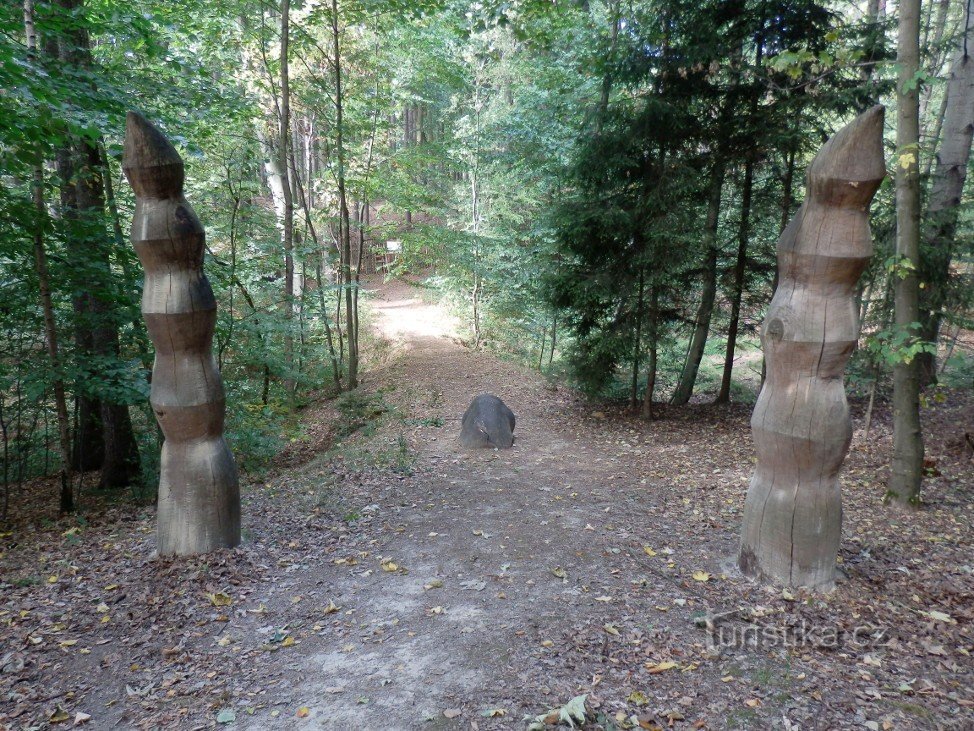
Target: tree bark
[(284, 145), (344, 228), (636, 342), (199, 497), (801, 426), (87, 450), (305, 204), (903, 487), (610, 57), (647, 408), (698, 341), (44, 285), (943, 206), (740, 265), (105, 437)]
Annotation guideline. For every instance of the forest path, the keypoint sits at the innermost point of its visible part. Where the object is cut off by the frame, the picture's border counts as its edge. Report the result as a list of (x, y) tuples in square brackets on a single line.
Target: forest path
[(484, 619), (390, 580)]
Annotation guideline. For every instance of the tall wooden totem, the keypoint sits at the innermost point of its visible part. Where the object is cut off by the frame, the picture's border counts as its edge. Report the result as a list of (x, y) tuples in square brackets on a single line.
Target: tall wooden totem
[(199, 498), (801, 424)]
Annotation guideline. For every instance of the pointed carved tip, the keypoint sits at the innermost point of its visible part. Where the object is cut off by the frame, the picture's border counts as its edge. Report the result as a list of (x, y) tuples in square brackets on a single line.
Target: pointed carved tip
[(145, 145), (854, 154), (870, 123), (149, 160)]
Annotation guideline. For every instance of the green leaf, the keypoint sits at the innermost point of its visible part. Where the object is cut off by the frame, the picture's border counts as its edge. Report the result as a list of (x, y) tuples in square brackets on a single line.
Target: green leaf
[(227, 715)]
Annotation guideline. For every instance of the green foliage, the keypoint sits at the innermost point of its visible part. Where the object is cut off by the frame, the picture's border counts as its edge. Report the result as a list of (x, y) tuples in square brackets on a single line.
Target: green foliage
[(552, 171), (358, 410), (897, 344)]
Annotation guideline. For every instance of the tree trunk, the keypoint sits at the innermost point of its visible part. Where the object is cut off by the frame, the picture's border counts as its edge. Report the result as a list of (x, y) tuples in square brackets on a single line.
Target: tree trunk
[(647, 410), (305, 203), (88, 447), (943, 206), (698, 341), (199, 497), (344, 232), (876, 38), (744, 232), (104, 437), (607, 77), (554, 339), (284, 145), (335, 367), (906, 472), (787, 197), (475, 228), (933, 34), (636, 356), (801, 426), (44, 285), (120, 463)]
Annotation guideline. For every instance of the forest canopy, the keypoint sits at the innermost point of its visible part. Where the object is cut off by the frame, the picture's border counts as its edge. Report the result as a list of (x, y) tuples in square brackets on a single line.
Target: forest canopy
[(596, 187)]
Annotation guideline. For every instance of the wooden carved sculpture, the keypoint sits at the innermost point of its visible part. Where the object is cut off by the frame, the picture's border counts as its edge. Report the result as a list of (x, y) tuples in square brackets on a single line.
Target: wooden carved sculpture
[(199, 498), (801, 424)]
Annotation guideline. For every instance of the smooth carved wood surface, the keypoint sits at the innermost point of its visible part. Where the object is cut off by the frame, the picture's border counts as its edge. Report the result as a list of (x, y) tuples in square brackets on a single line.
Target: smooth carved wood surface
[(801, 424), (199, 497)]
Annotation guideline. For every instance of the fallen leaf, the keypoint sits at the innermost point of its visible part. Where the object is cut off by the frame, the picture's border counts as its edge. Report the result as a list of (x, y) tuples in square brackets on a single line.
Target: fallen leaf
[(649, 551), (611, 629), (332, 607), (661, 667), (701, 576), (452, 712), (560, 572), (940, 616), (227, 715), (303, 712), (80, 718), (220, 599), (637, 697)]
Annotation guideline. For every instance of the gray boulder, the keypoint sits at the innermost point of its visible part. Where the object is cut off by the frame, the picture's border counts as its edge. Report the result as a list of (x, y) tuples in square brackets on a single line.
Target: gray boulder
[(487, 423)]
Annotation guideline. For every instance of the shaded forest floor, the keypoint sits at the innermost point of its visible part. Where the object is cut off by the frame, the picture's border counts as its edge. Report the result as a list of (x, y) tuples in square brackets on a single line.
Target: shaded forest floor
[(390, 580)]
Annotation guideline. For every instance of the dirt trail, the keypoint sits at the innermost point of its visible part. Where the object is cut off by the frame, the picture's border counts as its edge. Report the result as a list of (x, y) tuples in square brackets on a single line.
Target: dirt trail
[(394, 581), (581, 562), (484, 529)]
